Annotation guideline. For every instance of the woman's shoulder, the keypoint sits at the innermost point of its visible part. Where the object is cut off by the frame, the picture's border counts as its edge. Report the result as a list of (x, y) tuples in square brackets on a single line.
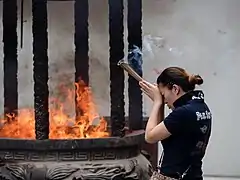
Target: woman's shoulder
[(198, 111)]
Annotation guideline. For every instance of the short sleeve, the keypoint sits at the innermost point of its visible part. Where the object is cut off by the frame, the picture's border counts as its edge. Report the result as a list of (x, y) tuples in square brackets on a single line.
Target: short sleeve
[(178, 121)]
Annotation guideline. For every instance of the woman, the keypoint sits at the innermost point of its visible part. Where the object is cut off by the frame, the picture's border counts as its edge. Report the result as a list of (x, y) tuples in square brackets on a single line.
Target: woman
[(185, 132)]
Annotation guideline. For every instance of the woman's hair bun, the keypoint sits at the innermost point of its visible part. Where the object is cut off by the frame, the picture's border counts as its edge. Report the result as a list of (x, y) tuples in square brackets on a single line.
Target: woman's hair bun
[(195, 79)]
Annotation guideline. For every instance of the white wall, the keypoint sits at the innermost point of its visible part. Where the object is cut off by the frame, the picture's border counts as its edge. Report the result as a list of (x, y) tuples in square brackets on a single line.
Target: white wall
[(202, 36)]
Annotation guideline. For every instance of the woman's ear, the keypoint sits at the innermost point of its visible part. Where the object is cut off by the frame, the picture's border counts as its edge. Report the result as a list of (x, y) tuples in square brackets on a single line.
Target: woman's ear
[(176, 89)]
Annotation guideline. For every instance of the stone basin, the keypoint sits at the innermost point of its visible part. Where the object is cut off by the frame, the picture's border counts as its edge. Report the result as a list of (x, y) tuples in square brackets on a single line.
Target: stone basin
[(75, 159)]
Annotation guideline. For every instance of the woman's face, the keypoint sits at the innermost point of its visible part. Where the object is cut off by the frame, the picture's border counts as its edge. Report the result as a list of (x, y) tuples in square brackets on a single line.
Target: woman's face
[(169, 95)]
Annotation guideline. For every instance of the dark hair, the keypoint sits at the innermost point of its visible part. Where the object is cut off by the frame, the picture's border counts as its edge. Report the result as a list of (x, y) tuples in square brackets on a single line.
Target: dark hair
[(178, 76)]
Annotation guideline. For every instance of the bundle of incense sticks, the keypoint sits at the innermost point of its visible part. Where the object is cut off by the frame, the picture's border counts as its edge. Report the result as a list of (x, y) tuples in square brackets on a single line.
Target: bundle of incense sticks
[(134, 64), (130, 70)]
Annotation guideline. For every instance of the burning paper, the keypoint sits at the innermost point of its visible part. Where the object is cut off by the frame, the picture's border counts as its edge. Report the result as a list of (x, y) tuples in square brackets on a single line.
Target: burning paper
[(62, 125)]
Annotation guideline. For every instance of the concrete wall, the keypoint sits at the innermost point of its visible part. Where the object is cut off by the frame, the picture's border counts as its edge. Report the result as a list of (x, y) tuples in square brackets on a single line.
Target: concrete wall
[(201, 36)]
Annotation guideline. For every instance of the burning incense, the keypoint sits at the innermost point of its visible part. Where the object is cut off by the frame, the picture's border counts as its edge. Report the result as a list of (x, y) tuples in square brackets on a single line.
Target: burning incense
[(130, 70), (134, 64)]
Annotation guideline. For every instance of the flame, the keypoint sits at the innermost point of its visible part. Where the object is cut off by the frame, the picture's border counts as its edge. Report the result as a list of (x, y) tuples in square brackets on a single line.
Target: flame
[(62, 125)]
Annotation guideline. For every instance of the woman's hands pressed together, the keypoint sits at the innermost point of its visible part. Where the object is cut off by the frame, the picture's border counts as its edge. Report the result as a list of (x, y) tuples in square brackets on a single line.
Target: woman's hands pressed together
[(155, 130), (152, 91)]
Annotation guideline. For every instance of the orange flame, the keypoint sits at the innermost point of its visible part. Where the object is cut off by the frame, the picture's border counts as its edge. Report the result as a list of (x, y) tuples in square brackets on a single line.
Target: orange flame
[(62, 126)]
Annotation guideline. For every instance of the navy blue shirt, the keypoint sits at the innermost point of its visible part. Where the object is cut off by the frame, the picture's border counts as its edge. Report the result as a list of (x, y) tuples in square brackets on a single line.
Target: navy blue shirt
[(190, 126)]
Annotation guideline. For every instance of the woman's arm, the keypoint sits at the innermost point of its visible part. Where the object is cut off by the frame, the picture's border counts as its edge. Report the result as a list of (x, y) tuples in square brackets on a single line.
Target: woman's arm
[(155, 129)]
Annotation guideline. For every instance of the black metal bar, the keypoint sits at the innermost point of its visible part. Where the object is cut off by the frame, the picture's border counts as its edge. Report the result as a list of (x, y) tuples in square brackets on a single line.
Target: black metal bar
[(40, 69), (116, 42), (135, 38), (10, 61), (22, 7), (81, 36), (81, 41)]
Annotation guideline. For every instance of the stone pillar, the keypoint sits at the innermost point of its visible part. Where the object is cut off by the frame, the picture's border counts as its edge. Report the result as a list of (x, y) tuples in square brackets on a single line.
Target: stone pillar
[(40, 68), (116, 43), (10, 60)]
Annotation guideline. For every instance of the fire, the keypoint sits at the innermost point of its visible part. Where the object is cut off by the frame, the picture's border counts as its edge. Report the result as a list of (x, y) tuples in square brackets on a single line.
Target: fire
[(62, 125)]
